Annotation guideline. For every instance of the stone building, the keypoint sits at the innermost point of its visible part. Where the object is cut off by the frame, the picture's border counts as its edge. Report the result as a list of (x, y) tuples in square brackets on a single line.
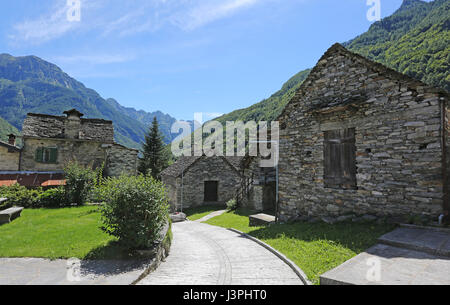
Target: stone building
[(360, 139), (195, 181), (9, 154), (51, 142)]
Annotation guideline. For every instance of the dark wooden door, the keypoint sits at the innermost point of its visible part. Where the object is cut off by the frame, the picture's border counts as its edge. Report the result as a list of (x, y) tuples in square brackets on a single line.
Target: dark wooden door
[(211, 191), (340, 158)]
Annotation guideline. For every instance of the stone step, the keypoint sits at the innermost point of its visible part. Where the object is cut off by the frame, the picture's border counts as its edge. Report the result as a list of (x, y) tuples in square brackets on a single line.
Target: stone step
[(261, 220), (387, 265), (428, 240)]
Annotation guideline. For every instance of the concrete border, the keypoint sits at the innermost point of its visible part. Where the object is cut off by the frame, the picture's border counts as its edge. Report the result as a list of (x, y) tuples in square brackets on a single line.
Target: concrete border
[(161, 251), (281, 256)]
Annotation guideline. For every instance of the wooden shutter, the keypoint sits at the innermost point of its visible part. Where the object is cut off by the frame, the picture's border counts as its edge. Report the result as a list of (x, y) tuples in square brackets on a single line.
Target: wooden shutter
[(53, 155), (340, 159), (39, 157)]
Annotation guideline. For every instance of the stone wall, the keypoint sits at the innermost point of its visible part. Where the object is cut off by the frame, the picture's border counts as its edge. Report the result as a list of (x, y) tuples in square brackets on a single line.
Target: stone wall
[(85, 153), (117, 159), (9, 161), (121, 160), (206, 169), (398, 150)]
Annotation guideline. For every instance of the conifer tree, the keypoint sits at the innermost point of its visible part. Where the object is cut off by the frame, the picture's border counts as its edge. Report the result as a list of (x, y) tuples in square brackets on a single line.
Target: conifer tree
[(155, 158)]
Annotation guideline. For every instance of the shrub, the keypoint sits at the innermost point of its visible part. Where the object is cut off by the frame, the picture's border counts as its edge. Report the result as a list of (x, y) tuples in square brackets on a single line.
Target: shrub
[(79, 182), (135, 210), (20, 196), (53, 198), (231, 205)]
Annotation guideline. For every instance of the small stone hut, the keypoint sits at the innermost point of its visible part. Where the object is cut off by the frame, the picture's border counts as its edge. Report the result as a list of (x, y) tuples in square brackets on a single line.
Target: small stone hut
[(360, 139), (196, 181)]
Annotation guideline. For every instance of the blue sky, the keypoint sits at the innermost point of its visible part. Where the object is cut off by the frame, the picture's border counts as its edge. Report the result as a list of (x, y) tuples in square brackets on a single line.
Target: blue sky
[(183, 56)]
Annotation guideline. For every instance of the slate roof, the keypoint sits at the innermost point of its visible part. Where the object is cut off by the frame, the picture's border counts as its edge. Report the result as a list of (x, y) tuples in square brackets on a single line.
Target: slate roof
[(9, 146), (184, 163), (51, 126), (375, 66)]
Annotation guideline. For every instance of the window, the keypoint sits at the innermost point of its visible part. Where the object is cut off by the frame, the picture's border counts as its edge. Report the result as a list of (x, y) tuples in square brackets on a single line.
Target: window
[(340, 159), (46, 155)]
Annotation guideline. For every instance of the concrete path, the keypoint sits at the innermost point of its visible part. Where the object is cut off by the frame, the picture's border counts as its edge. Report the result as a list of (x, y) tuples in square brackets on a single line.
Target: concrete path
[(405, 256), (207, 255), (212, 215), (36, 271)]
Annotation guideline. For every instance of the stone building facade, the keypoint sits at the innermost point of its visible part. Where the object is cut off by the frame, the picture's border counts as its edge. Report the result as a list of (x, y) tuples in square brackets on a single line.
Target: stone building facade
[(9, 155), (51, 142), (361, 139), (196, 181)]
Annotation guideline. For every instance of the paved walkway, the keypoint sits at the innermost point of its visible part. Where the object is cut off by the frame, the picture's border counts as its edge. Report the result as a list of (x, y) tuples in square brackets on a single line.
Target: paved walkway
[(36, 271), (207, 255), (212, 215)]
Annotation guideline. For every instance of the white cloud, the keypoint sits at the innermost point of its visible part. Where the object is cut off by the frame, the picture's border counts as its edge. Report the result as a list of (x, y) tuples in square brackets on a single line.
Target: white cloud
[(124, 18)]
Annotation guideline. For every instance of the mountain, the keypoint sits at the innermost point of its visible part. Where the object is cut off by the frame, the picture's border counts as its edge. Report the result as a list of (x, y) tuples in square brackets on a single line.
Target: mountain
[(415, 40), (6, 129), (268, 109), (30, 84)]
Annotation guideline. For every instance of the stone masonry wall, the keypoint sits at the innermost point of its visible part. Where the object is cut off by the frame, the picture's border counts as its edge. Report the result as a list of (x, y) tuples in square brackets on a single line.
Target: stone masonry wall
[(398, 151), (9, 161), (121, 160), (85, 153), (209, 169)]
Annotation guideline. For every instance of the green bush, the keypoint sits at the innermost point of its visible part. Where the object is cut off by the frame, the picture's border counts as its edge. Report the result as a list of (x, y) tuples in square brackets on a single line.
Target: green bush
[(20, 196), (231, 205), (53, 198), (79, 182), (136, 209)]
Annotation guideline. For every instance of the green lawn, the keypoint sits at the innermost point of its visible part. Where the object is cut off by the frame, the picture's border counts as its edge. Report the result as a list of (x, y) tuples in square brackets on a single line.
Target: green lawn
[(314, 247), (196, 213), (57, 233)]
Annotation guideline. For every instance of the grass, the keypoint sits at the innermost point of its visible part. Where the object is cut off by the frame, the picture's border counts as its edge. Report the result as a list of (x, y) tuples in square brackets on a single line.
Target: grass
[(196, 213), (314, 247), (58, 233)]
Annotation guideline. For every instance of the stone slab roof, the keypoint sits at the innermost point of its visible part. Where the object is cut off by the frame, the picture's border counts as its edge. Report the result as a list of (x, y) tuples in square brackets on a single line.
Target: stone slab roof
[(9, 146), (374, 66), (51, 126), (184, 163)]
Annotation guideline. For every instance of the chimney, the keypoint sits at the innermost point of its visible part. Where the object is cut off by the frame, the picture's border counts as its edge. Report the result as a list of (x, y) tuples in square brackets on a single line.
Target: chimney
[(73, 123), (12, 139)]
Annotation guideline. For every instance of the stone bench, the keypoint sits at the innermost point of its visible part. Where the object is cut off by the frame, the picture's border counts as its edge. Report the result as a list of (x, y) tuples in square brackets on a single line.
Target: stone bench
[(10, 214), (261, 220)]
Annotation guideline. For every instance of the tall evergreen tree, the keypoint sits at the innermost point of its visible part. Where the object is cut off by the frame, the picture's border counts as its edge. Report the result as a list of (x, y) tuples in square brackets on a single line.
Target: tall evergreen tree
[(155, 158)]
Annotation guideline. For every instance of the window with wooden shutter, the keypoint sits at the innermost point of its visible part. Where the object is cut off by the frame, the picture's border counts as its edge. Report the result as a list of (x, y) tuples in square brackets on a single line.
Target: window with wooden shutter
[(46, 155), (340, 159), (39, 154)]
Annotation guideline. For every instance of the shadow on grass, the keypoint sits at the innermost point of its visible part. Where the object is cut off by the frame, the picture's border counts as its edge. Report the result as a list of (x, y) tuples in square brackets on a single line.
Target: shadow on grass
[(113, 250), (354, 236)]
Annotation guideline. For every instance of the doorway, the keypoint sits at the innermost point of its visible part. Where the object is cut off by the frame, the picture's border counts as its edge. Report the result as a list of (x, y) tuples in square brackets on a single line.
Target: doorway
[(211, 191)]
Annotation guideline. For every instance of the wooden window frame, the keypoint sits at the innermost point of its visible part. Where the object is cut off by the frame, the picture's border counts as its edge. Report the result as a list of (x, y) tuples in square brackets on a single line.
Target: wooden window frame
[(47, 155), (340, 159)]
